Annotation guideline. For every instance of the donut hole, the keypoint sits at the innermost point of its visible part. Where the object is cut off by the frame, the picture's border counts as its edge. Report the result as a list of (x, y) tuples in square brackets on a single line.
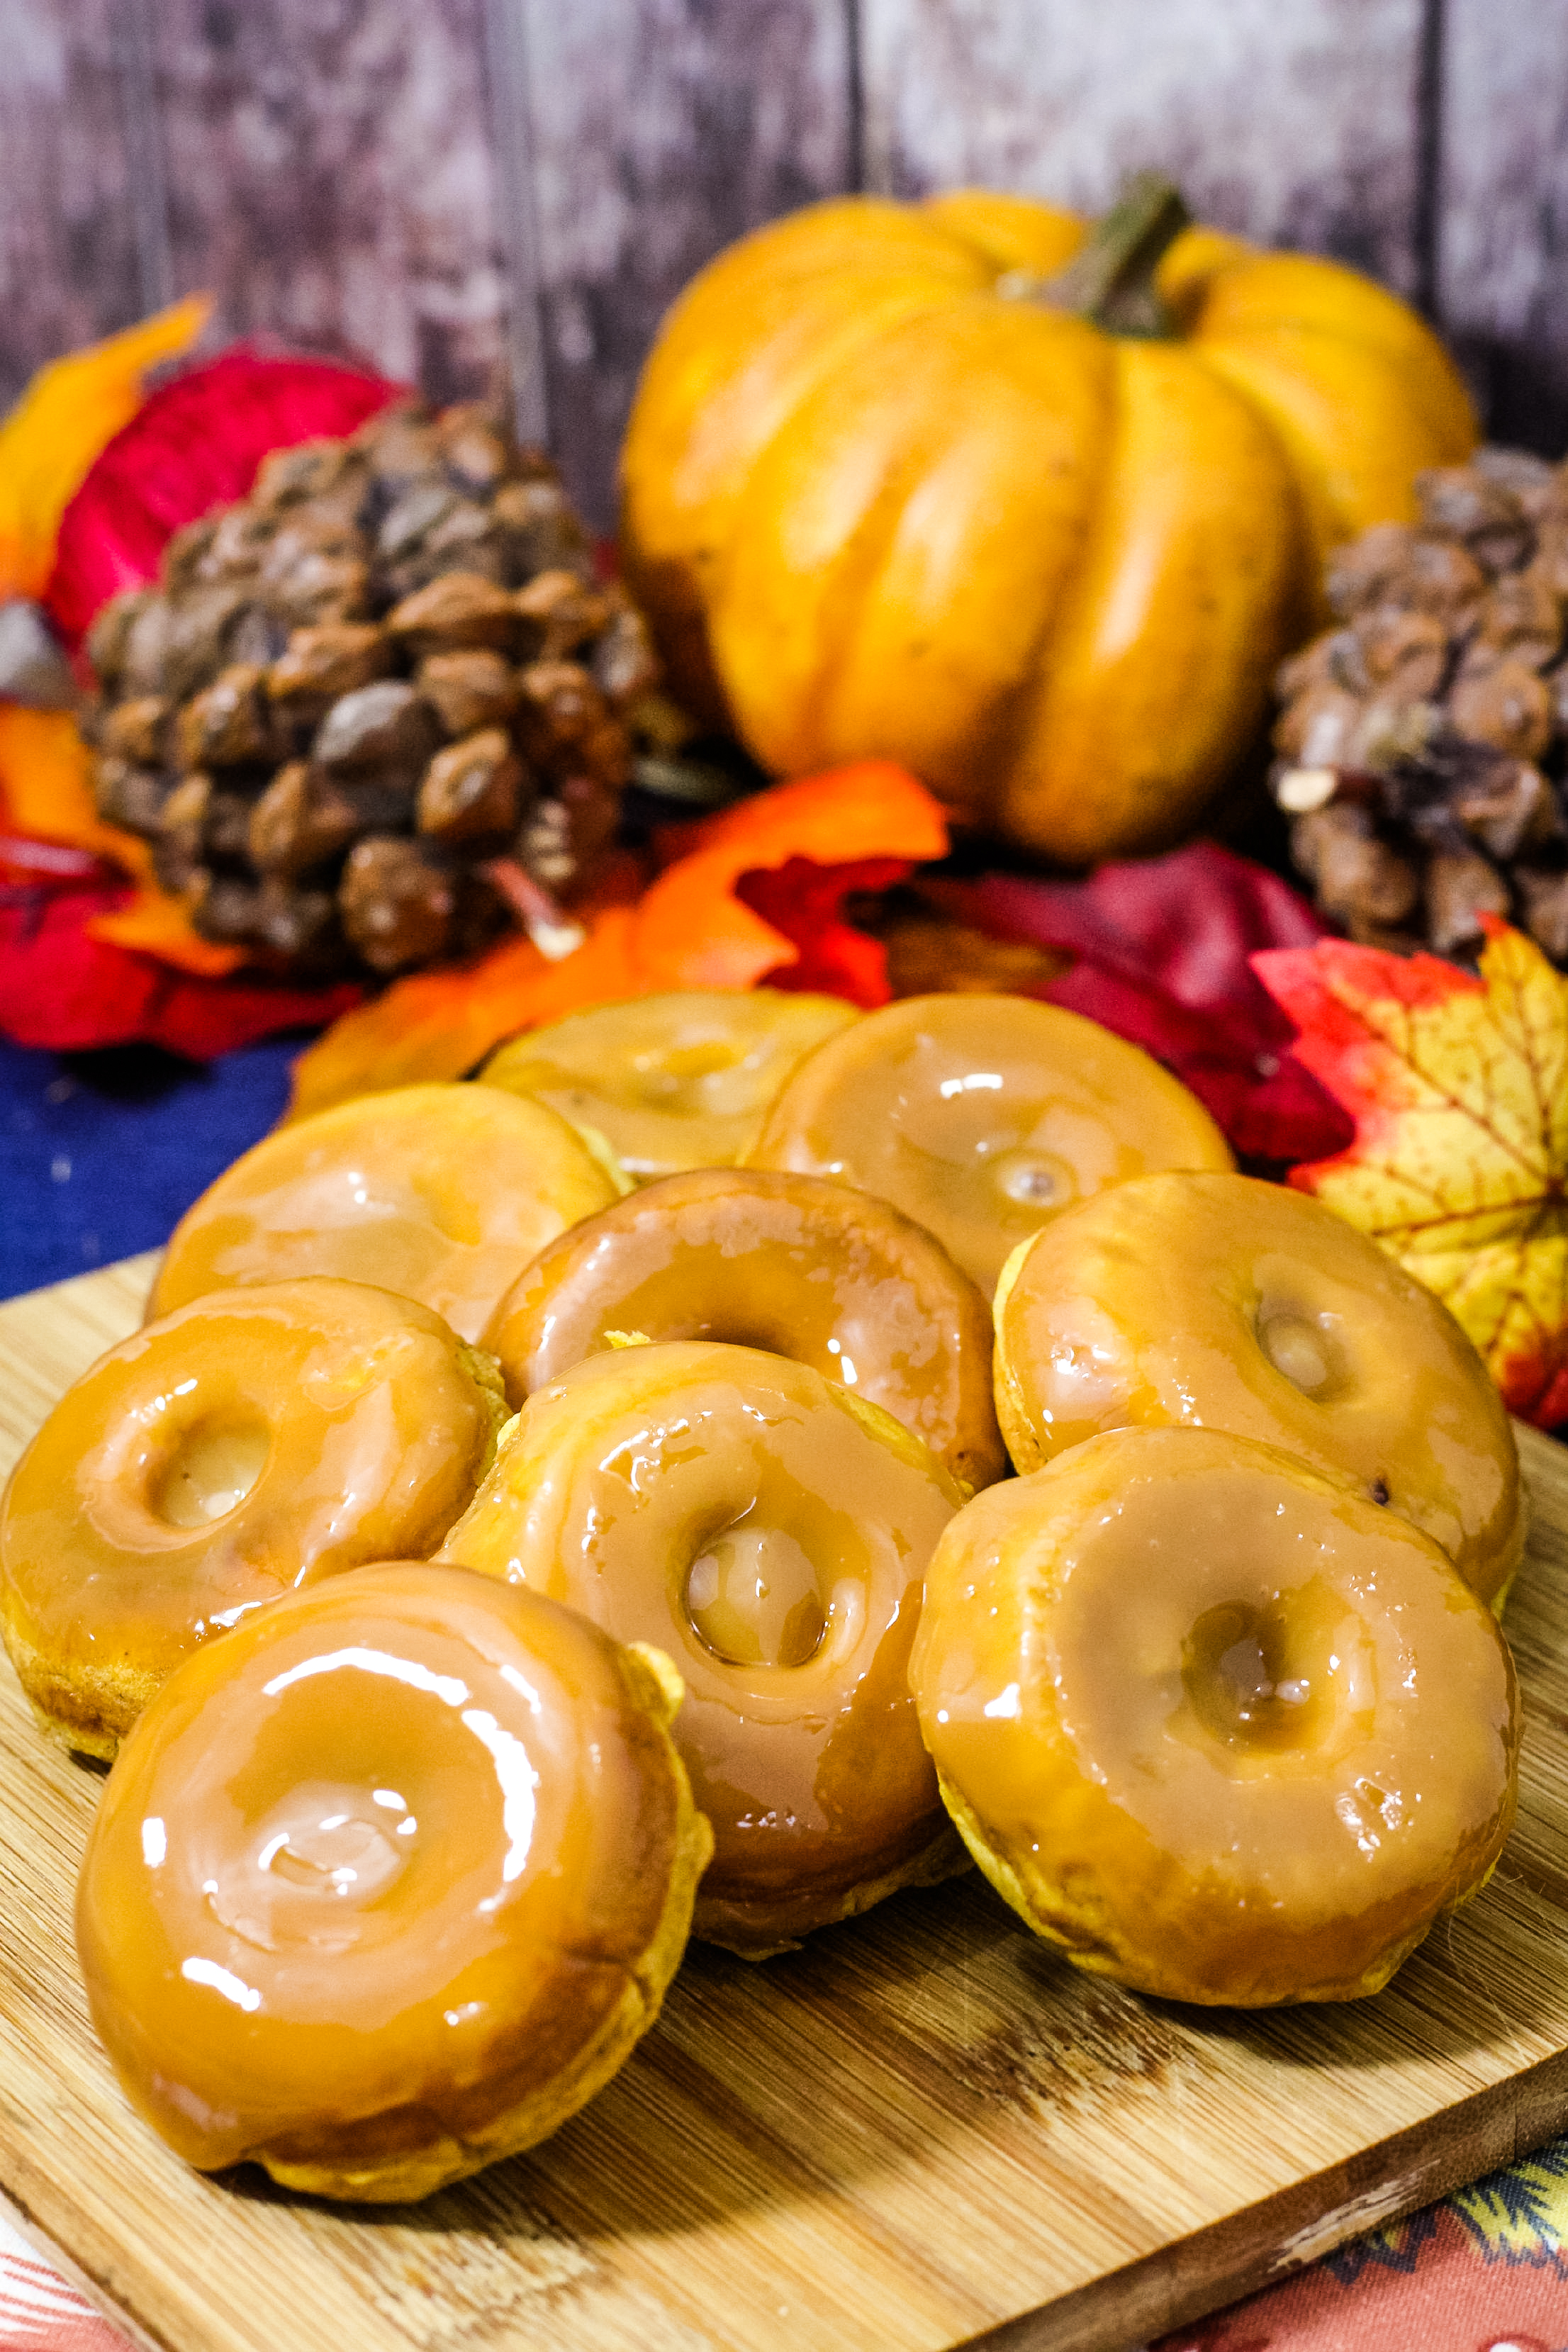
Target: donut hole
[(1303, 1348), (211, 1468), (752, 1598), (1036, 1179), (1257, 1678)]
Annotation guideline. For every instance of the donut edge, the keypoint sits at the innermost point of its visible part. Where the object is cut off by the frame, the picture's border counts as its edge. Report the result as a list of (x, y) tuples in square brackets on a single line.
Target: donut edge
[(725, 1923)]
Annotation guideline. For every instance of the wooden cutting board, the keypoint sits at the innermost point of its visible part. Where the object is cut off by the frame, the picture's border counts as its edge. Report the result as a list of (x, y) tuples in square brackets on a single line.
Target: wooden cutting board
[(922, 2131)]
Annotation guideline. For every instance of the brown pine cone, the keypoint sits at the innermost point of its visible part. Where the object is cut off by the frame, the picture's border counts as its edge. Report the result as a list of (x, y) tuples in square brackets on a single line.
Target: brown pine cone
[(388, 669), (1424, 742)]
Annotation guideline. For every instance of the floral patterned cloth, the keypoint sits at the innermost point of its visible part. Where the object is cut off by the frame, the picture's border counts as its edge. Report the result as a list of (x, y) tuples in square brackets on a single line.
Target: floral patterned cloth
[(1485, 2271)]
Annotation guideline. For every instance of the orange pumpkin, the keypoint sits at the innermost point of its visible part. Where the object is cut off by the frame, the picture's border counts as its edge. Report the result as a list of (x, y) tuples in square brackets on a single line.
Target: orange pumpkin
[(1036, 516)]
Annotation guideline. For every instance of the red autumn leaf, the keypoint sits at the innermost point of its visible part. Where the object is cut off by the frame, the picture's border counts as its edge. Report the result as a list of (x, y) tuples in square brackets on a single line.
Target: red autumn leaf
[(1162, 947), (195, 443), (1458, 1090), (802, 902), (63, 989)]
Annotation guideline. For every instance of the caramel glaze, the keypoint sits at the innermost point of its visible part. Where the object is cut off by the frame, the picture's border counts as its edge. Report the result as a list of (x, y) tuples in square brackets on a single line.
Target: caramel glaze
[(771, 1532), (441, 1192), (791, 1263), (672, 1081), (385, 1885), (1215, 1723), (203, 1464), (981, 1117), (1219, 1300)]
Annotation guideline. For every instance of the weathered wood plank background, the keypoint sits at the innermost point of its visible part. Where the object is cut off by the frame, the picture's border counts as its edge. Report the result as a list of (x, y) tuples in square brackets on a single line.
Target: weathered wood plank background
[(452, 187)]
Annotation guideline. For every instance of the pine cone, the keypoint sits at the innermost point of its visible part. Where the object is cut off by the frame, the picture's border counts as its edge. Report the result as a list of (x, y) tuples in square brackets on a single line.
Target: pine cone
[(1424, 742), (354, 692)]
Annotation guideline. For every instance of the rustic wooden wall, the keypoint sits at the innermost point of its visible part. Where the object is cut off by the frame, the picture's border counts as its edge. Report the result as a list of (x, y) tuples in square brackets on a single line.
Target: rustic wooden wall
[(449, 187)]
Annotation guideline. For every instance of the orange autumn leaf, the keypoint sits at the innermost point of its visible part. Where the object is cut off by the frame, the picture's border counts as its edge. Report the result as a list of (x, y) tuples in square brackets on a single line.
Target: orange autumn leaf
[(693, 932), (70, 411), (46, 795), (154, 924), (687, 931), (1458, 1088)]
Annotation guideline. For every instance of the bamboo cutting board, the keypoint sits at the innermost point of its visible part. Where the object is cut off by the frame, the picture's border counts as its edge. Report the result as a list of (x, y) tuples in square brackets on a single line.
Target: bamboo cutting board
[(923, 2130)]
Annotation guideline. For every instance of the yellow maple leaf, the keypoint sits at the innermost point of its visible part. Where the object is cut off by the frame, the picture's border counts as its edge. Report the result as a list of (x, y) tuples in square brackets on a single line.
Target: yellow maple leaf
[(1458, 1088)]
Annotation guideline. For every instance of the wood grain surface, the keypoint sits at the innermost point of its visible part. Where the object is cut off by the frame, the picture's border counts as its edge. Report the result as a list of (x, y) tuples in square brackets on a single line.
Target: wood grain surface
[(441, 185), (1289, 123), (69, 268), (921, 2131), (1503, 210), (660, 131)]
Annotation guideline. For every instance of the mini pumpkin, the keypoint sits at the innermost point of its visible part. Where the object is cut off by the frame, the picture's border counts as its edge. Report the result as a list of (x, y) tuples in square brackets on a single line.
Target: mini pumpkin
[(1035, 511)]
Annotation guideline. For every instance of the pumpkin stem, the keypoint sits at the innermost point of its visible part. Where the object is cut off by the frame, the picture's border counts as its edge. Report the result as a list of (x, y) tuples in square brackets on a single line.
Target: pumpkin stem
[(1110, 281)]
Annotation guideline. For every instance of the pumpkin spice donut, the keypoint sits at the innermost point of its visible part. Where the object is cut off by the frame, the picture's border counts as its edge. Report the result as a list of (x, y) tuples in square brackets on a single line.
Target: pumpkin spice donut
[(808, 1269), (1215, 1724), (981, 1117), (769, 1530), (207, 1463), (442, 1192), (1237, 1305), (678, 1080), (386, 1885)]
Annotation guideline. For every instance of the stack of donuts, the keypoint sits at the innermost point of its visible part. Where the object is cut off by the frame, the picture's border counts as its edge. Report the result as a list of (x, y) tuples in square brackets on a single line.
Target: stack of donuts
[(738, 1459)]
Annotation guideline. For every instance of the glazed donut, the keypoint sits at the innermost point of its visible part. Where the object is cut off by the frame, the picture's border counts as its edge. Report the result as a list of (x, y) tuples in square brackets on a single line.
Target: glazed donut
[(770, 1531), (1242, 1305), (204, 1465), (1212, 1722), (386, 1885), (807, 1269), (981, 1117), (442, 1192), (670, 1082)]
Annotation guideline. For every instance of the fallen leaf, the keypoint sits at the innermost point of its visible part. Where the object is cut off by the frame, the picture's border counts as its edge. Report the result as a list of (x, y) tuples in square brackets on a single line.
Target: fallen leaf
[(62, 988), (1459, 1089), (45, 796), (802, 902), (1161, 949), (64, 418), (689, 929), (194, 443)]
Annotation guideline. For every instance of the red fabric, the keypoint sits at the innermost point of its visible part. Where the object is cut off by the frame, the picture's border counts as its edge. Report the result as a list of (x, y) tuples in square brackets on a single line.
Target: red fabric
[(195, 443), (1163, 946), (62, 988)]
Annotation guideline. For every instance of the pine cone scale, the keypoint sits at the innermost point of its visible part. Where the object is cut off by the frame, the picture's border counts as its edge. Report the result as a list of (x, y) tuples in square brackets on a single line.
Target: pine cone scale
[(387, 667)]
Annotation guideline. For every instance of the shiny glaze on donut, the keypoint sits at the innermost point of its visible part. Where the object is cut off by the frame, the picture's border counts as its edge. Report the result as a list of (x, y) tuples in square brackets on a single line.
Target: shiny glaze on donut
[(204, 1463), (1237, 1305), (1217, 1724), (442, 1192), (802, 1268), (385, 1885), (981, 1117), (771, 1533), (671, 1081)]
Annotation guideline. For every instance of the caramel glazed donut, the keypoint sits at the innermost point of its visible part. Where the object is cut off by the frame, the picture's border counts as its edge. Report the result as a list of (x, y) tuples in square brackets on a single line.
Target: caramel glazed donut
[(207, 1463), (440, 1193), (791, 1263), (1237, 1305), (386, 1883), (771, 1531), (1213, 1722)]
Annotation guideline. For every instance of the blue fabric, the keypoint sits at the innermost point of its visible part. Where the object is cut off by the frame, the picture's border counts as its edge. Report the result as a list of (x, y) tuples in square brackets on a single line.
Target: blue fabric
[(101, 1153)]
